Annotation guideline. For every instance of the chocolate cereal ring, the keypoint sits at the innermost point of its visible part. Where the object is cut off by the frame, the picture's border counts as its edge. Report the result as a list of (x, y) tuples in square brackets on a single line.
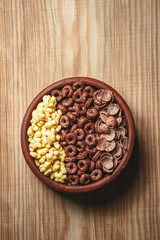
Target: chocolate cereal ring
[(91, 166), (62, 108), (89, 128), (80, 173), (79, 133), (71, 139), (63, 136), (67, 91), (77, 96), (74, 127), (89, 102), (89, 89), (82, 155), (58, 95), (80, 146), (84, 96), (80, 108), (71, 116), (73, 179), (71, 151), (71, 168), (99, 164), (70, 159), (76, 114), (67, 102), (63, 133), (71, 109), (78, 85), (91, 150), (64, 121), (96, 175), (92, 113), (90, 140), (82, 165), (85, 179), (82, 121), (96, 156)]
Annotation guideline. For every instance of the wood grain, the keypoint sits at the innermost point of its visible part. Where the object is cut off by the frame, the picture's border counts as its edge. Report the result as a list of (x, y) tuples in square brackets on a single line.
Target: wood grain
[(116, 42)]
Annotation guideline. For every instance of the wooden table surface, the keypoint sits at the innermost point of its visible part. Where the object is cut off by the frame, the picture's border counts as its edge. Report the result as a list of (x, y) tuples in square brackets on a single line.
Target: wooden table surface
[(42, 41)]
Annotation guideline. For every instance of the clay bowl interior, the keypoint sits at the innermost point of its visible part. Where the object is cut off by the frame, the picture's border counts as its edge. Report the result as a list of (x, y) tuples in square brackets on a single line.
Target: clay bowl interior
[(92, 186)]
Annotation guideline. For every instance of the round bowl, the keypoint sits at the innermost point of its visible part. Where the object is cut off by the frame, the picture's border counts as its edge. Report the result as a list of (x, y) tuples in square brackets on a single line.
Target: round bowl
[(92, 186)]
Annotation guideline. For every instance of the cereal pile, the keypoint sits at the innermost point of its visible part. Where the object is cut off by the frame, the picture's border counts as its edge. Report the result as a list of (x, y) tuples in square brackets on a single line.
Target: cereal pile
[(44, 140), (111, 127), (93, 134)]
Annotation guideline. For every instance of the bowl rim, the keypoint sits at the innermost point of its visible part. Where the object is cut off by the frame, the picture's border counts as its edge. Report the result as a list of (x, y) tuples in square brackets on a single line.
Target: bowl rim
[(92, 186)]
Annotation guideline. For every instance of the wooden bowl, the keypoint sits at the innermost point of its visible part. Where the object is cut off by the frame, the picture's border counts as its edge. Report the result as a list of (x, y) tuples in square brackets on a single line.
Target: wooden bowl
[(92, 186)]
